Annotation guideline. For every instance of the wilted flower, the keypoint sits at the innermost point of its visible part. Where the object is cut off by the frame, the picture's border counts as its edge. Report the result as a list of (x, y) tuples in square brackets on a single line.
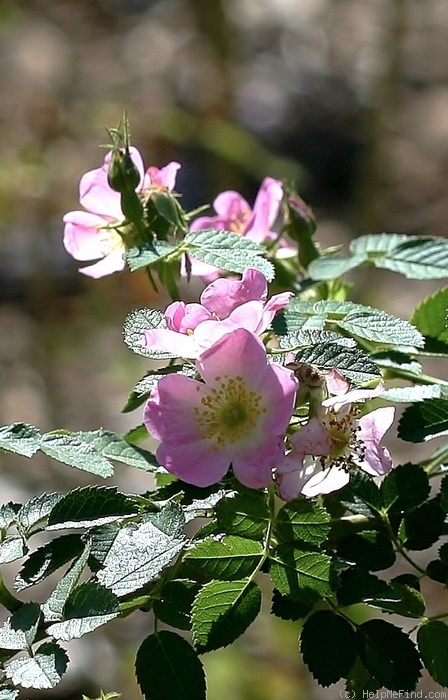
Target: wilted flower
[(225, 306), (236, 416), (336, 441), (94, 234)]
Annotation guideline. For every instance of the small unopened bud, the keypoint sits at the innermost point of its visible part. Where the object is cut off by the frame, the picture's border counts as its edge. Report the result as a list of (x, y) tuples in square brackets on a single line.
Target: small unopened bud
[(122, 175)]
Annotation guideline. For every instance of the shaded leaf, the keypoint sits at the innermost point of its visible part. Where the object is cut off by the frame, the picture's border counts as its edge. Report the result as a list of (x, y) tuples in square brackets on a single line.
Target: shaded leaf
[(294, 568), (302, 520), (88, 606), (175, 604), (88, 506), (244, 514), (432, 640), (47, 559), (424, 421), (168, 668), (328, 646), (389, 655)]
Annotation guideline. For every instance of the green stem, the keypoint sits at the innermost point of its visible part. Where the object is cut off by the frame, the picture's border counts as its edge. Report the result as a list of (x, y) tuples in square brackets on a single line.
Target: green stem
[(7, 599), (401, 550)]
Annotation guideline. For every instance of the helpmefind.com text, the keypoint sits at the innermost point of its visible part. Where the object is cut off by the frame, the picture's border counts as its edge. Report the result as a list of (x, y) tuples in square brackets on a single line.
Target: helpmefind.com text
[(394, 695)]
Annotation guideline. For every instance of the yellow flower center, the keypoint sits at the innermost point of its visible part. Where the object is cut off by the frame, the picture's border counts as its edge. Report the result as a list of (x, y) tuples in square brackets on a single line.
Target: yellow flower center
[(230, 412), (238, 223), (110, 241)]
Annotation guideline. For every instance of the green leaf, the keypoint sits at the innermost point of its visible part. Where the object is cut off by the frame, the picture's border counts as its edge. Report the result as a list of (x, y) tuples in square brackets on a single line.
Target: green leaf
[(312, 336), (351, 362), (358, 586), (370, 550), (424, 421), (114, 447), (361, 495), (294, 568), (88, 606), (405, 487), (419, 257), (137, 555), (411, 603), (8, 514), (71, 450), (302, 520), (228, 251), (148, 254), (136, 323), (43, 670), (54, 606), (19, 631), (411, 394), (430, 317), (89, 506), (381, 328), (328, 646), (21, 438), (12, 548), (175, 604), (411, 532), (432, 641), (389, 655), (287, 609), (168, 668), (227, 559), (36, 510), (329, 267), (222, 611), (47, 559), (244, 514)]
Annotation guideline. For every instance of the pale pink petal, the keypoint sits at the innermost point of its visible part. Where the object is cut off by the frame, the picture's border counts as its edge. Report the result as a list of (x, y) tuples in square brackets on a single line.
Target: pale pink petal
[(169, 414), (326, 481), (336, 382), (237, 353), (114, 262), (337, 402), (183, 317), (312, 439), (254, 469), (166, 340), (265, 211), (274, 304), (163, 177), (81, 238), (232, 207), (223, 295), (194, 463), (377, 459)]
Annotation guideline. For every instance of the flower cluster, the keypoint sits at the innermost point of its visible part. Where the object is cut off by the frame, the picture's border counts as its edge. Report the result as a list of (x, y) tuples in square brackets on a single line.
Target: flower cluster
[(237, 412)]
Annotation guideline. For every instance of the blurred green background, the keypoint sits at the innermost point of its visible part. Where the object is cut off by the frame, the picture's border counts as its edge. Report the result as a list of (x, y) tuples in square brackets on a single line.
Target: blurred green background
[(347, 99)]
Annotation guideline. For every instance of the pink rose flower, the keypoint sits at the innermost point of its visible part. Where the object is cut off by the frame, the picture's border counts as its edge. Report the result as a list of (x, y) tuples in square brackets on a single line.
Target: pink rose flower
[(225, 306), (233, 213), (236, 416), (94, 234), (337, 440)]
